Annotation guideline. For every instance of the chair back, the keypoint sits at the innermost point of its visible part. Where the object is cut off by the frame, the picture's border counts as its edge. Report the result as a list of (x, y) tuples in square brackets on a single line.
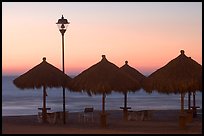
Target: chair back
[(88, 110)]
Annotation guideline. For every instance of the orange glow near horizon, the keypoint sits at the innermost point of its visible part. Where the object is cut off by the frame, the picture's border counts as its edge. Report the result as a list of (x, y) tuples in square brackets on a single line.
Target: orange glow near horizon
[(147, 35)]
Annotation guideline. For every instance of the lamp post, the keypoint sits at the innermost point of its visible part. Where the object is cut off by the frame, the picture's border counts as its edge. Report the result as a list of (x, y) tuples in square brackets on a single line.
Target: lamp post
[(62, 25)]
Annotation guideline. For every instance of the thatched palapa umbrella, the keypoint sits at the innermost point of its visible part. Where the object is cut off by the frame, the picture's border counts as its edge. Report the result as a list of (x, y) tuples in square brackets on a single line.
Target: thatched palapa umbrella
[(43, 75), (134, 74), (180, 75), (102, 78)]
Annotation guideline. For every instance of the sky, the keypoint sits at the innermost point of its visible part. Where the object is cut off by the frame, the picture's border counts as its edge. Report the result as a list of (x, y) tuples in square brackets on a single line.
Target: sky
[(147, 35)]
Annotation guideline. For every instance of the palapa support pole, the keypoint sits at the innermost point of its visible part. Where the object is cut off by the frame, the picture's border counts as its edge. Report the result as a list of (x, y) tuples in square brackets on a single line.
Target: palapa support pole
[(103, 115), (182, 117), (190, 112), (194, 99), (194, 105), (182, 102), (125, 107), (44, 111), (103, 102), (189, 100), (125, 100)]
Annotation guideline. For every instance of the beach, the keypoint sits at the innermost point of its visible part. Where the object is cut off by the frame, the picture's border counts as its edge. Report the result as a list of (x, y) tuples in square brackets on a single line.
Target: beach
[(161, 122)]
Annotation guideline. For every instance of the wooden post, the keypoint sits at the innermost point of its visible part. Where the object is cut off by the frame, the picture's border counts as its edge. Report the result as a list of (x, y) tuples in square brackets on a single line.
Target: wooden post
[(125, 100), (189, 100), (103, 102), (182, 102), (103, 114), (182, 117), (125, 113), (44, 112), (194, 106)]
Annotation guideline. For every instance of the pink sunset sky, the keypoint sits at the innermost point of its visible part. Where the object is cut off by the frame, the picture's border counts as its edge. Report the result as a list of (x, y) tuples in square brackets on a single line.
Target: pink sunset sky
[(147, 35)]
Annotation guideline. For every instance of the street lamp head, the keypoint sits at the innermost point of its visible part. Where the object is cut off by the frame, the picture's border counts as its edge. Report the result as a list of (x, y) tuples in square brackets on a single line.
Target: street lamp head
[(62, 24)]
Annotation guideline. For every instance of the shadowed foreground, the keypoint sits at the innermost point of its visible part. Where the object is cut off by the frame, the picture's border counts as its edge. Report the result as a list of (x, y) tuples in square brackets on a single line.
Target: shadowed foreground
[(162, 122)]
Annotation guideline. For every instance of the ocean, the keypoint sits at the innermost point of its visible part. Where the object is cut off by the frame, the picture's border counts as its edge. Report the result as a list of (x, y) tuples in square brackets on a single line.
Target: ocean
[(16, 101)]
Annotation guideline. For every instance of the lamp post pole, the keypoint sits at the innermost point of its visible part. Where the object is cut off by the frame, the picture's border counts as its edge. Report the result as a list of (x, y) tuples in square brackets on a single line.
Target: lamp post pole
[(62, 24), (64, 114)]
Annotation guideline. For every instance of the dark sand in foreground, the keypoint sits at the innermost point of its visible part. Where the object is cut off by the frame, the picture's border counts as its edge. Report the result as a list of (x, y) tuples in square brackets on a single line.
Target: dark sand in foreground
[(161, 122)]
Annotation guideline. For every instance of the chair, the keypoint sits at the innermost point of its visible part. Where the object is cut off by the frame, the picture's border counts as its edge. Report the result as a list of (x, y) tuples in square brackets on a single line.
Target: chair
[(134, 115), (50, 118), (140, 115), (39, 117), (87, 115), (59, 116)]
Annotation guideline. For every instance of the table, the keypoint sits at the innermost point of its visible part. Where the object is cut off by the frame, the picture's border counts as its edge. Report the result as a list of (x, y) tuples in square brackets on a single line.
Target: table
[(194, 108), (140, 115), (43, 115), (42, 108), (125, 108), (125, 112)]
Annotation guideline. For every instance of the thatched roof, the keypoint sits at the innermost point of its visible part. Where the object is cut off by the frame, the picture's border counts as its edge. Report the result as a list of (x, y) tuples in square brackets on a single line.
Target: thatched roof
[(103, 77), (181, 74), (133, 72), (42, 74)]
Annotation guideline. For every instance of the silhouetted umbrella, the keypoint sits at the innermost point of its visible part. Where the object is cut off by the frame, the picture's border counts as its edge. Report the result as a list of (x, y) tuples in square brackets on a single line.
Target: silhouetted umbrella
[(180, 75), (134, 74), (102, 78), (43, 75)]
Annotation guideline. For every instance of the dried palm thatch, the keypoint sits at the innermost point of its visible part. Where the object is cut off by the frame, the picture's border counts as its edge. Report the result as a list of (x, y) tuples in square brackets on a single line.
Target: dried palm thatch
[(43, 75), (134, 74), (103, 77), (180, 75)]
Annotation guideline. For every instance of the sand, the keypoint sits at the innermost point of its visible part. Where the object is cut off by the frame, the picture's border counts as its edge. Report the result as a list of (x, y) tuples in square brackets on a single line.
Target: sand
[(161, 122)]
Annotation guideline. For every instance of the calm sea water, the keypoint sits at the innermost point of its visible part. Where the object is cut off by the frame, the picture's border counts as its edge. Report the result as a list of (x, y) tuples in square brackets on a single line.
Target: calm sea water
[(25, 102)]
